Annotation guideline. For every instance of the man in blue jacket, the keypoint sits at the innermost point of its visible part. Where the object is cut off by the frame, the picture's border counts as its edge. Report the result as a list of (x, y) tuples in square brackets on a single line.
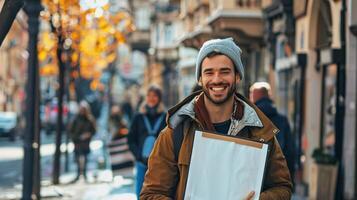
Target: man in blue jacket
[(260, 95)]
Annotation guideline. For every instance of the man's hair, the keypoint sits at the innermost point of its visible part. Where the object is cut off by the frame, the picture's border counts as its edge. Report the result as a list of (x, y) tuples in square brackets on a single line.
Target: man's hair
[(263, 87), (155, 89)]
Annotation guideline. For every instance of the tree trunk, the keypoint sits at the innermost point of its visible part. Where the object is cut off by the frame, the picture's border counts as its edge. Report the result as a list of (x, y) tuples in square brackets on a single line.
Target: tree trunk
[(7, 16), (59, 129)]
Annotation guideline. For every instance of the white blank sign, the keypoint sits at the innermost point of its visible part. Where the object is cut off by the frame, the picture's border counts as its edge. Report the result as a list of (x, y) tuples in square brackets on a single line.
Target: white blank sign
[(224, 167)]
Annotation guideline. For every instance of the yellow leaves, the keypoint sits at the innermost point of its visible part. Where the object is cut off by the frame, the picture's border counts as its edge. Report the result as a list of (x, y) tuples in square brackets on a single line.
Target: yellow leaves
[(102, 23), (88, 42), (47, 41), (96, 85), (119, 17), (111, 57), (74, 57), (94, 36), (42, 55), (49, 70), (120, 38), (102, 63), (46, 46), (106, 7)]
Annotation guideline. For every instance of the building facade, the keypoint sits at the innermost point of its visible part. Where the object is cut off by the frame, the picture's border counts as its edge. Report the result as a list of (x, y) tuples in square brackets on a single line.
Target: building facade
[(349, 141), (242, 20), (164, 49), (299, 47), (13, 66)]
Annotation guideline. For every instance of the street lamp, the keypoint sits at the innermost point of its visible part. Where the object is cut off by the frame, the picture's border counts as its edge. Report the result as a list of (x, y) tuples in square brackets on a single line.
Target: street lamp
[(31, 167)]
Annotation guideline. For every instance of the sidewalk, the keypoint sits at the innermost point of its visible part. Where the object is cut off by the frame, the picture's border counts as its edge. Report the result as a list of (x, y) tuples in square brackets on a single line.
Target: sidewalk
[(100, 185)]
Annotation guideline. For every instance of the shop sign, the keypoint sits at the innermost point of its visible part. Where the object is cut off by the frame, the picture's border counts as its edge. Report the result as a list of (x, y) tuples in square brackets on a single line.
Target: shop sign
[(325, 56), (286, 63), (278, 25), (329, 56)]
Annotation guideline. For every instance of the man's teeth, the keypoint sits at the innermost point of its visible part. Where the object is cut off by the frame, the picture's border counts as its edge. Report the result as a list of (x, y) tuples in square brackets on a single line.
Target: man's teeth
[(218, 88)]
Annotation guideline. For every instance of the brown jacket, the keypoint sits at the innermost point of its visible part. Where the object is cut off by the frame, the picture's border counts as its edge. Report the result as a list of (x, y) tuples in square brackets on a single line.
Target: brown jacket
[(166, 178)]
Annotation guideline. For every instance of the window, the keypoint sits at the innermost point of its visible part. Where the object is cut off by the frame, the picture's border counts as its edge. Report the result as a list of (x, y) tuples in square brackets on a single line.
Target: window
[(328, 105), (168, 33), (142, 18)]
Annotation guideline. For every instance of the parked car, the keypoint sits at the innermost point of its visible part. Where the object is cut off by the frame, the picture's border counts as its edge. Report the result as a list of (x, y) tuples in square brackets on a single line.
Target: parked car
[(49, 114), (8, 124)]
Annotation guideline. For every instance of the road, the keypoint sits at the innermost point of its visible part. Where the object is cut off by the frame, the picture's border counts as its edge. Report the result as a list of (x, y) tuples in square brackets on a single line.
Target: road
[(10, 163), (101, 185)]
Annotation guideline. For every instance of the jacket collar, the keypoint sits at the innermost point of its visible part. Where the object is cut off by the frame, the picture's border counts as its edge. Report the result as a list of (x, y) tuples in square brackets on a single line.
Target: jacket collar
[(252, 117), (143, 109)]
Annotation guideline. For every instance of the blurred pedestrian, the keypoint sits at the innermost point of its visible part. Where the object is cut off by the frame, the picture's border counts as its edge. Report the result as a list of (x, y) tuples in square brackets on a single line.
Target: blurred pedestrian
[(117, 126), (217, 108), (260, 94), (144, 130), (81, 131), (120, 155)]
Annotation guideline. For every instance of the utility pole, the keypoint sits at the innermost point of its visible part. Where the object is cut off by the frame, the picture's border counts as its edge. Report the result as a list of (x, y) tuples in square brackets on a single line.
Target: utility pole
[(31, 173)]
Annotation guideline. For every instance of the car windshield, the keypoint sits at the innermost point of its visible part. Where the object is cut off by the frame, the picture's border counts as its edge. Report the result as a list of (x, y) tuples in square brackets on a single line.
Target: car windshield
[(7, 117)]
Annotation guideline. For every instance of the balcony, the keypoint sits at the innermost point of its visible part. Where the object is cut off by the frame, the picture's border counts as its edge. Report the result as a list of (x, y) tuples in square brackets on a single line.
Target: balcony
[(140, 40), (237, 17), (196, 28)]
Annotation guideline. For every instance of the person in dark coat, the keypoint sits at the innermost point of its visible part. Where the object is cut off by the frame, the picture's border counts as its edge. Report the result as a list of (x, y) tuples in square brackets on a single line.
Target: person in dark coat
[(120, 155), (81, 131), (260, 95), (153, 110)]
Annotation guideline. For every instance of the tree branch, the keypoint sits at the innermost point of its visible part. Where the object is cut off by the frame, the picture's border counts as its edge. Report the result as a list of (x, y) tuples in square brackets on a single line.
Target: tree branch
[(7, 16)]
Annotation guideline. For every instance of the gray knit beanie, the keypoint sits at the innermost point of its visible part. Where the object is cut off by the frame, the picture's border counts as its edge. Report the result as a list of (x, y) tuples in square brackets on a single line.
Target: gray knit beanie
[(224, 46)]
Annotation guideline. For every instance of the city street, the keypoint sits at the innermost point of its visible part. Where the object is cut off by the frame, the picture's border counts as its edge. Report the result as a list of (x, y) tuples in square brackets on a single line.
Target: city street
[(91, 82), (100, 185), (10, 163)]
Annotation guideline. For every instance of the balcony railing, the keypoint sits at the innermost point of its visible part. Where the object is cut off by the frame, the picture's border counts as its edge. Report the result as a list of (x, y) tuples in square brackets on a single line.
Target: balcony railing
[(249, 3)]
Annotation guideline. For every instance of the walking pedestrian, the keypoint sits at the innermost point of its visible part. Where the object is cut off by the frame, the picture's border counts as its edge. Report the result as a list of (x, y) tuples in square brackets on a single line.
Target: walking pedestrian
[(217, 108), (144, 130), (81, 131), (260, 94), (120, 155)]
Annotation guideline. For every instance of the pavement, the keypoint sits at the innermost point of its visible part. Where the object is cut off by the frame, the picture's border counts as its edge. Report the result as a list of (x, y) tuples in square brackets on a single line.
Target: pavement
[(101, 183)]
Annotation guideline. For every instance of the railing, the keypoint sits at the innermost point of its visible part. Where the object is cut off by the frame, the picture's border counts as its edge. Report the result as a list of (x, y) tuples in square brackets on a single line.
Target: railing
[(249, 3)]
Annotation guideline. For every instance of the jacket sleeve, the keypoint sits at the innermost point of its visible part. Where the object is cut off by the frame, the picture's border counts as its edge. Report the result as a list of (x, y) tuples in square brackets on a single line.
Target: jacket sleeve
[(162, 174), (133, 137), (277, 183)]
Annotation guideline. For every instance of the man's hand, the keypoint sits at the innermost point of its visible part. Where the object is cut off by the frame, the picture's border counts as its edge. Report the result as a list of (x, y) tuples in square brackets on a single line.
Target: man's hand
[(250, 195)]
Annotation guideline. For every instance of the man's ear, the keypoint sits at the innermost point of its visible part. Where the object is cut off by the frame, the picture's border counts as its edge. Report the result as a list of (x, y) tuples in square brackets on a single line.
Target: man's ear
[(200, 81), (237, 76)]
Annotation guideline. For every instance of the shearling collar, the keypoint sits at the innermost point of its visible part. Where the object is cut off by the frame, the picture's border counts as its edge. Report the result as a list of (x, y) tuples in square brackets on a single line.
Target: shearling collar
[(143, 110), (252, 117)]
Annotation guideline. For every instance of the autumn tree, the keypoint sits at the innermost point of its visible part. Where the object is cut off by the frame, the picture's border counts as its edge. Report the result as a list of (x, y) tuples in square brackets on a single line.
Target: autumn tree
[(82, 36)]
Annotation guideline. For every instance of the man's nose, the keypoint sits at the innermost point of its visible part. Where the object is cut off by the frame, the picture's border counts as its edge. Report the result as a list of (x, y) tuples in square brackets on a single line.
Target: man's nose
[(216, 77)]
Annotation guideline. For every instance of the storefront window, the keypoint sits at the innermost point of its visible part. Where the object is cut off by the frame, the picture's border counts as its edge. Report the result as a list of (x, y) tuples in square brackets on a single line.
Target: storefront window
[(329, 109)]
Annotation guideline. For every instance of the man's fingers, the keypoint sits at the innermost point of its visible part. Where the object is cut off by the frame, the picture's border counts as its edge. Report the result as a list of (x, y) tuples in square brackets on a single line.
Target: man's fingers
[(250, 195)]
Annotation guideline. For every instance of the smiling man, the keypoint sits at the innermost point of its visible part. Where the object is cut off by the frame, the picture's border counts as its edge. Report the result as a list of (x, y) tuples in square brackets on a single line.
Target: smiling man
[(217, 108)]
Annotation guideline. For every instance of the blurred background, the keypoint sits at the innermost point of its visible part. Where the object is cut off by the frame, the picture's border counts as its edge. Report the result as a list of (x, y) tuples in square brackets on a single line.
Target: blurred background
[(108, 52)]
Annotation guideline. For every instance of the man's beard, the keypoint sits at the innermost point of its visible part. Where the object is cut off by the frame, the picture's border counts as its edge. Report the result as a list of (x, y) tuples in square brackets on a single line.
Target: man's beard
[(230, 93)]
